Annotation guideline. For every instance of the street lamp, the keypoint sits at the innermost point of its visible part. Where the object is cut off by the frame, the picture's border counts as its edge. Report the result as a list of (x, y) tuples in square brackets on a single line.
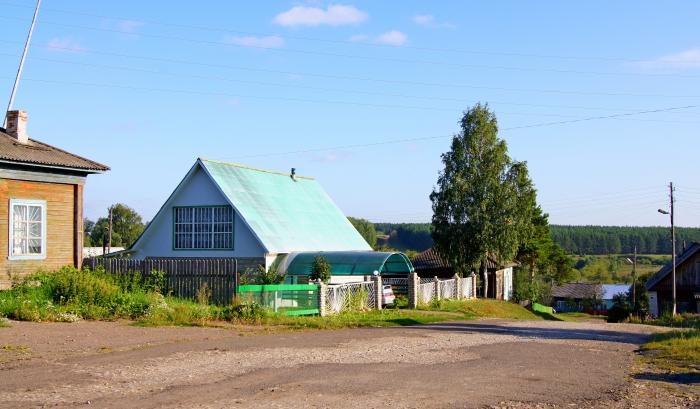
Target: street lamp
[(673, 249), (634, 279)]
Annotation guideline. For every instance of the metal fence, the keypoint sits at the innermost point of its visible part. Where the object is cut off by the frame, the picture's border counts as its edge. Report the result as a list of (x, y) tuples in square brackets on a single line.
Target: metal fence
[(467, 287), (351, 297), (287, 299), (426, 292), (398, 285), (447, 288), (183, 277)]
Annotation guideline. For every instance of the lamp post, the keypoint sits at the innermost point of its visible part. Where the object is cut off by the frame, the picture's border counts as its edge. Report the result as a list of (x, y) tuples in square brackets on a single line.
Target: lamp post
[(673, 249), (634, 279)]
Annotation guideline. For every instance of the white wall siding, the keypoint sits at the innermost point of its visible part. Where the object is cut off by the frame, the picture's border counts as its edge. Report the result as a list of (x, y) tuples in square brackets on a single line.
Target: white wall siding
[(508, 283), (196, 190)]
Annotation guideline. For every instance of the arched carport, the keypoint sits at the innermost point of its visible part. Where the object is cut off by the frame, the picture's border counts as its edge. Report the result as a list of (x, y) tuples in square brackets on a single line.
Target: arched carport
[(351, 263)]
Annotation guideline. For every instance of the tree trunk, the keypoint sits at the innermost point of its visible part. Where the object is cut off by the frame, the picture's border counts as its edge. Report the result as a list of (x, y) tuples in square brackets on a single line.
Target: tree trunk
[(486, 279)]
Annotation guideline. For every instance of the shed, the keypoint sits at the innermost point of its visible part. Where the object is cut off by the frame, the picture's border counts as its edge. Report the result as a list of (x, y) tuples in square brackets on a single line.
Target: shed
[(659, 286)]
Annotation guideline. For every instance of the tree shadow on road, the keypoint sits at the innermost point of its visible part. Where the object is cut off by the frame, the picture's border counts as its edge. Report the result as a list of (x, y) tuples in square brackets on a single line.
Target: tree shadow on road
[(539, 332), (681, 378)]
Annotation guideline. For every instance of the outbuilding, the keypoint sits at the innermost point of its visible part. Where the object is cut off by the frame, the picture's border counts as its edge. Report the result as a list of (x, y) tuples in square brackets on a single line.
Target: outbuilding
[(660, 285)]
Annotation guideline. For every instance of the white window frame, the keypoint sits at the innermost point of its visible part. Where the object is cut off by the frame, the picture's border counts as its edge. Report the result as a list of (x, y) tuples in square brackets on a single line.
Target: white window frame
[(10, 241), (211, 230)]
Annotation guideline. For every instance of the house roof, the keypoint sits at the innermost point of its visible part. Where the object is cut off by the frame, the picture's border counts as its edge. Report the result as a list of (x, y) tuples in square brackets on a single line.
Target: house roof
[(578, 290), (41, 154), (286, 214), (666, 270), (352, 262), (611, 290), (431, 260)]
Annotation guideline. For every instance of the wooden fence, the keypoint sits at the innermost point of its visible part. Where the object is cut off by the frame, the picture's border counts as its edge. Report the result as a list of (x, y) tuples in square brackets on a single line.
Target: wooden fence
[(183, 277)]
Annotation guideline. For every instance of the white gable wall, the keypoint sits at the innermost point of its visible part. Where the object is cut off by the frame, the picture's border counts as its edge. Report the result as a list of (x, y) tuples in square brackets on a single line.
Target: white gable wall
[(196, 190)]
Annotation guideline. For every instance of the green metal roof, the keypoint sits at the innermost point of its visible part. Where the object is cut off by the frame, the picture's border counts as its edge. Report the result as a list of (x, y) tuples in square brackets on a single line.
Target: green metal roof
[(285, 214), (352, 263)]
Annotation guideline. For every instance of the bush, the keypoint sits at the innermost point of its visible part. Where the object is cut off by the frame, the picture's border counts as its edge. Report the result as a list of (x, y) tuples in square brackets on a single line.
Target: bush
[(320, 270), (620, 310), (244, 312)]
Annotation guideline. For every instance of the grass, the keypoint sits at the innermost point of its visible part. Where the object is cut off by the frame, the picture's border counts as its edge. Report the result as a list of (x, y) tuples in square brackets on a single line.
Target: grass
[(485, 308), (575, 316), (677, 351)]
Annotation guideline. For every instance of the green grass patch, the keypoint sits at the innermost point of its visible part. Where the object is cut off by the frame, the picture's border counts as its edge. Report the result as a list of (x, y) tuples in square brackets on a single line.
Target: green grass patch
[(484, 308), (352, 319), (677, 350)]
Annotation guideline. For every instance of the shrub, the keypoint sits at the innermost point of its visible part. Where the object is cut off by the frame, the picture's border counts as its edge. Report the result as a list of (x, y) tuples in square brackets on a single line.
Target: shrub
[(320, 269), (620, 310), (245, 312)]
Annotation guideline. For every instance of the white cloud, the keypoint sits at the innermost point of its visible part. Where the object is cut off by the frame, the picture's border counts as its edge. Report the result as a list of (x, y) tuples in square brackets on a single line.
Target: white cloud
[(333, 15), (393, 37), (428, 20), (65, 45), (257, 42), (129, 26), (685, 59)]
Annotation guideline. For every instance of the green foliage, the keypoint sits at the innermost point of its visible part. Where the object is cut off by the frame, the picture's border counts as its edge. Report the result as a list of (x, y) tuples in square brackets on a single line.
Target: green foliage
[(620, 310), (366, 230), (620, 239), (320, 269), (407, 236), (484, 200), (127, 226), (81, 293), (261, 276)]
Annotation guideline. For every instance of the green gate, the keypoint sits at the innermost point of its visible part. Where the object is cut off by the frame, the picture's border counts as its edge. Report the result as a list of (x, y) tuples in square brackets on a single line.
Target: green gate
[(287, 299)]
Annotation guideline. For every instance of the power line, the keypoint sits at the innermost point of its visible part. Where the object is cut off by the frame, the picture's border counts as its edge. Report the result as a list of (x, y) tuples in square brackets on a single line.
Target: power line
[(335, 41), (365, 57), (366, 79), (427, 138), (344, 91)]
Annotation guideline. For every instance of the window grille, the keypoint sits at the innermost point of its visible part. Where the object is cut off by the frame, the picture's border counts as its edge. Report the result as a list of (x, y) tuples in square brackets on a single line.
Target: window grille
[(203, 228)]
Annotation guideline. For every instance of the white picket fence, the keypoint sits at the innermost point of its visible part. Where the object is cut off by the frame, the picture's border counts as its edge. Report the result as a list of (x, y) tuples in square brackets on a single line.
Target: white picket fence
[(349, 297), (430, 289)]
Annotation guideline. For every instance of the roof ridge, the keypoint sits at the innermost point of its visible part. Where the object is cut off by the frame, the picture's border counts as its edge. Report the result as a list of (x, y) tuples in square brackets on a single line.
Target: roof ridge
[(254, 169)]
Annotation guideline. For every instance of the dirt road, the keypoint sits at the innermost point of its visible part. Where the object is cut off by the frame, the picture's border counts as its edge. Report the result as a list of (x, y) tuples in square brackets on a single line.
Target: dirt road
[(465, 364)]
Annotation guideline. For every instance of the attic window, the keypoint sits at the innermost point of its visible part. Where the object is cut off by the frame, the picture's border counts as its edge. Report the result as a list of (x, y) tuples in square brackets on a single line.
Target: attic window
[(203, 228)]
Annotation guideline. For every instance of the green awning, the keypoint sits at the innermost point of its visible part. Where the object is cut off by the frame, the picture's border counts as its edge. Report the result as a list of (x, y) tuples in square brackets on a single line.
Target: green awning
[(352, 263)]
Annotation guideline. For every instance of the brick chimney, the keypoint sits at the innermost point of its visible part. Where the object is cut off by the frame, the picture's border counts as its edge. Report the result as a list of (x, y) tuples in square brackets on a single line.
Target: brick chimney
[(17, 126)]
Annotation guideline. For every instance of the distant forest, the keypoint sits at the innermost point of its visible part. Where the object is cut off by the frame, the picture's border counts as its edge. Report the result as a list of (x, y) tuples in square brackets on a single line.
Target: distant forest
[(579, 240)]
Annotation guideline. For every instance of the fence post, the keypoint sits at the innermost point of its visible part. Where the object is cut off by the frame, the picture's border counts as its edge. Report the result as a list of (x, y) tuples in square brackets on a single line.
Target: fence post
[(437, 288), (458, 286), (322, 298), (377, 280), (473, 276), (413, 290)]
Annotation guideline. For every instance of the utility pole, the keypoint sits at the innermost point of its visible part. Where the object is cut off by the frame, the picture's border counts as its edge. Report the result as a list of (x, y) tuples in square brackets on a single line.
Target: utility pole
[(21, 62), (634, 280), (673, 246), (109, 239)]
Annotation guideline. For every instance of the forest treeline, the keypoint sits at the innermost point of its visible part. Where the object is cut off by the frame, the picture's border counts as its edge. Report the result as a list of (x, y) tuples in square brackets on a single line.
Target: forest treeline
[(579, 240)]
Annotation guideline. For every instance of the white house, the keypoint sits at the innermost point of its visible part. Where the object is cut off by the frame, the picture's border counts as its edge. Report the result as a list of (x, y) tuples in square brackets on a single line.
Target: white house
[(225, 210)]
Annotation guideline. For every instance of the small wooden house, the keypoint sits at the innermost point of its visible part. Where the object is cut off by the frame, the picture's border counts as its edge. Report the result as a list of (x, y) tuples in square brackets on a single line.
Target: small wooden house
[(262, 218), (430, 264), (660, 285), (41, 202)]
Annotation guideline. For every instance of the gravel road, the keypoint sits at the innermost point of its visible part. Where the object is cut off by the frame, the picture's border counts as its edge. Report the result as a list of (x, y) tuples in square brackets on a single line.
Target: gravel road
[(485, 363)]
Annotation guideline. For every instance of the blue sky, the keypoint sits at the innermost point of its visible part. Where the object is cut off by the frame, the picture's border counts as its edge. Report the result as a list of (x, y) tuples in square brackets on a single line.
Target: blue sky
[(146, 87)]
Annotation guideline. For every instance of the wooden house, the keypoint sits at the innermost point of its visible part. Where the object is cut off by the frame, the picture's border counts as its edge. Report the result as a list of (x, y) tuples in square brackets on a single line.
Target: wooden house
[(260, 217), (660, 287), (41, 202)]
